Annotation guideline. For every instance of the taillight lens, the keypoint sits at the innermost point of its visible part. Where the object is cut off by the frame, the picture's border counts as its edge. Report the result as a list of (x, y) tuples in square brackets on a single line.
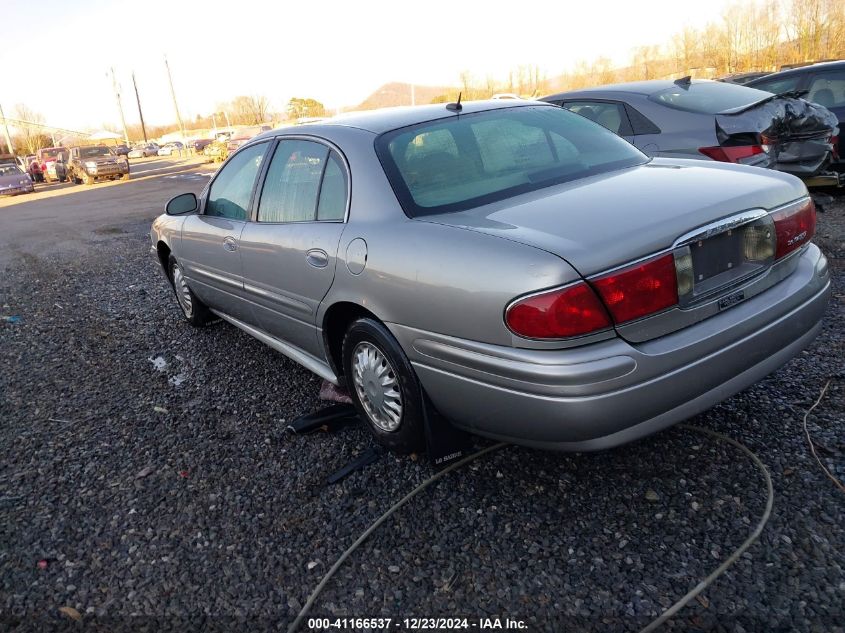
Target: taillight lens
[(639, 290), (794, 227), (571, 311), (728, 154)]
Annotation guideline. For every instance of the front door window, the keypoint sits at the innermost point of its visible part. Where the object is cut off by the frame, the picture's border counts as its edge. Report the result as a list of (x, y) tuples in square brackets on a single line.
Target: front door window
[(231, 191)]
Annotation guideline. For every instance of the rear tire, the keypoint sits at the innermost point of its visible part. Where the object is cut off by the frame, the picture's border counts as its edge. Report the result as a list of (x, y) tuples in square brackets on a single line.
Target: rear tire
[(193, 309), (87, 179), (384, 388)]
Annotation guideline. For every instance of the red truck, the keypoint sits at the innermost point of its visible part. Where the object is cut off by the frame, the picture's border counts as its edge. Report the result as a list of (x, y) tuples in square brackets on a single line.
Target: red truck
[(46, 158)]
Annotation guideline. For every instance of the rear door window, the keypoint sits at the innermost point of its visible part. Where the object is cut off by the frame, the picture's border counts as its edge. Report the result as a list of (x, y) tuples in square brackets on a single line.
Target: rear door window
[(779, 86), (305, 181), (333, 191), (828, 89), (610, 115)]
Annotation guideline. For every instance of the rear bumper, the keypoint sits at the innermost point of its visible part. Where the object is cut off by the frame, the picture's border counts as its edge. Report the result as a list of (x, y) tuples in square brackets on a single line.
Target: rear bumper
[(13, 191), (609, 393)]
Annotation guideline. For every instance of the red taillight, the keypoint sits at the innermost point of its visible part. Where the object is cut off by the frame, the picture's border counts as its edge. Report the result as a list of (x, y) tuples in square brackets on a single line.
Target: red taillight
[(571, 311), (794, 227), (639, 290), (731, 154)]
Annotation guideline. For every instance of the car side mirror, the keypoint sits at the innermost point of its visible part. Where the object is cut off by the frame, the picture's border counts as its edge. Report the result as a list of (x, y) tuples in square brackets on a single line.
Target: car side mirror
[(182, 204)]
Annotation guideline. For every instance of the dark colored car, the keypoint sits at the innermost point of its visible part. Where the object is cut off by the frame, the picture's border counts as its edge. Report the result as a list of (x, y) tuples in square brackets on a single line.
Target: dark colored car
[(742, 78), (200, 144), (121, 150), (712, 120), (824, 84), (87, 164), (13, 180)]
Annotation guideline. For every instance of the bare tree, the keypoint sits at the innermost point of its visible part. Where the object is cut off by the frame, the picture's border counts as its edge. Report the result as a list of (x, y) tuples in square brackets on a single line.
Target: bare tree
[(248, 110), (31, 136), (761, 35)]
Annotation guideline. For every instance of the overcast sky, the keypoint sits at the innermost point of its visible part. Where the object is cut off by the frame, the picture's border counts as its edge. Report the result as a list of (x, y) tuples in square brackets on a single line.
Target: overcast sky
[(56, 54)]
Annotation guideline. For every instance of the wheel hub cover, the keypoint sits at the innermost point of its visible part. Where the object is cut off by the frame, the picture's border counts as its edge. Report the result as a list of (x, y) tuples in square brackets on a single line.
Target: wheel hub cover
[(377, 386)]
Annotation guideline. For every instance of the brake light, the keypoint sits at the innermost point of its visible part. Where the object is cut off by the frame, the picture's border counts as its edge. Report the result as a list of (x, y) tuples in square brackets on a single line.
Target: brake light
[(639, 290), (731, 154), (571, 311), (794, 227)]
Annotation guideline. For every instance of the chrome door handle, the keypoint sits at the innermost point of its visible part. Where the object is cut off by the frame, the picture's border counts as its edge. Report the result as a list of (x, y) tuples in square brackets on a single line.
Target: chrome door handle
[(317, 257), (230, 243)]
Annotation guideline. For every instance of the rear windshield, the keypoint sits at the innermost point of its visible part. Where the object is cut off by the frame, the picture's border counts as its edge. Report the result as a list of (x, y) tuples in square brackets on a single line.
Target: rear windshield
[(473, 159), (50, 153), (709, 97)]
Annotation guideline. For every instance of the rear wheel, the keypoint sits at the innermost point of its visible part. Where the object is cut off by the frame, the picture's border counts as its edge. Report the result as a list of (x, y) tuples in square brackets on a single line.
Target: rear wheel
[(87, 179), (194, 310), (383, 386)]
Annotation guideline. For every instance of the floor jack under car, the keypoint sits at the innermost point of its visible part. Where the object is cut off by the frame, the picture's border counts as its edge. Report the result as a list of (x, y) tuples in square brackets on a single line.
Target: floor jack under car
[(444, 442)]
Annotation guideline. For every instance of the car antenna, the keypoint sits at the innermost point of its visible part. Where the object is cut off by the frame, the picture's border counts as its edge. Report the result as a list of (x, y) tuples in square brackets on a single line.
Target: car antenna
[(455, 107), (684, 82)]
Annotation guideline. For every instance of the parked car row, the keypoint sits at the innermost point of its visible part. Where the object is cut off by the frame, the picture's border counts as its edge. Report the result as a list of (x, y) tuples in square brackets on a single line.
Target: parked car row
[(144, 150)]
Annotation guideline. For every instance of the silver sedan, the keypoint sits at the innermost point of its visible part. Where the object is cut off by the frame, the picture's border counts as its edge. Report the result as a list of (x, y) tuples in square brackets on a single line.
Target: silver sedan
[(538, 278)]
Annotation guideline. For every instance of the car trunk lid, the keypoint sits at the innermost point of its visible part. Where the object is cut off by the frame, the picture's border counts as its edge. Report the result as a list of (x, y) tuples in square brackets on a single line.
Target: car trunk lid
[(612, 219), (705, 217)]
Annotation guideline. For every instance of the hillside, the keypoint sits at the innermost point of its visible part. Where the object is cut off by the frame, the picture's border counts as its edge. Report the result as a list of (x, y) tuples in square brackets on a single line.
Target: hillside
[(397, 94)]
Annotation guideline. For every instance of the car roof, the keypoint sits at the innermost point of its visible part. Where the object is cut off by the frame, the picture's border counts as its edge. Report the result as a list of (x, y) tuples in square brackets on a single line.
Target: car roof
[(386, 119), (834, 65), (631, 87)]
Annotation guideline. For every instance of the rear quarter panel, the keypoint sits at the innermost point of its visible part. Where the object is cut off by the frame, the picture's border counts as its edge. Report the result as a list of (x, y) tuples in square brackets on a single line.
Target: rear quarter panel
[(681, 133), (442, 279)]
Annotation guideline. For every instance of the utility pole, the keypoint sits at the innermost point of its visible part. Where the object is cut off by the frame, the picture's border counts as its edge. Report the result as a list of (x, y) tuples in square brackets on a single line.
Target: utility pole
[(6, 129), (140, 114), (229, 125), (214, 121), (119, 106), (173, 94)]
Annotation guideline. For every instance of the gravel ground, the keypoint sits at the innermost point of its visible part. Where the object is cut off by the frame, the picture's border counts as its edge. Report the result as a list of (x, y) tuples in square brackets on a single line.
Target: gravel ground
[(147, 483)]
